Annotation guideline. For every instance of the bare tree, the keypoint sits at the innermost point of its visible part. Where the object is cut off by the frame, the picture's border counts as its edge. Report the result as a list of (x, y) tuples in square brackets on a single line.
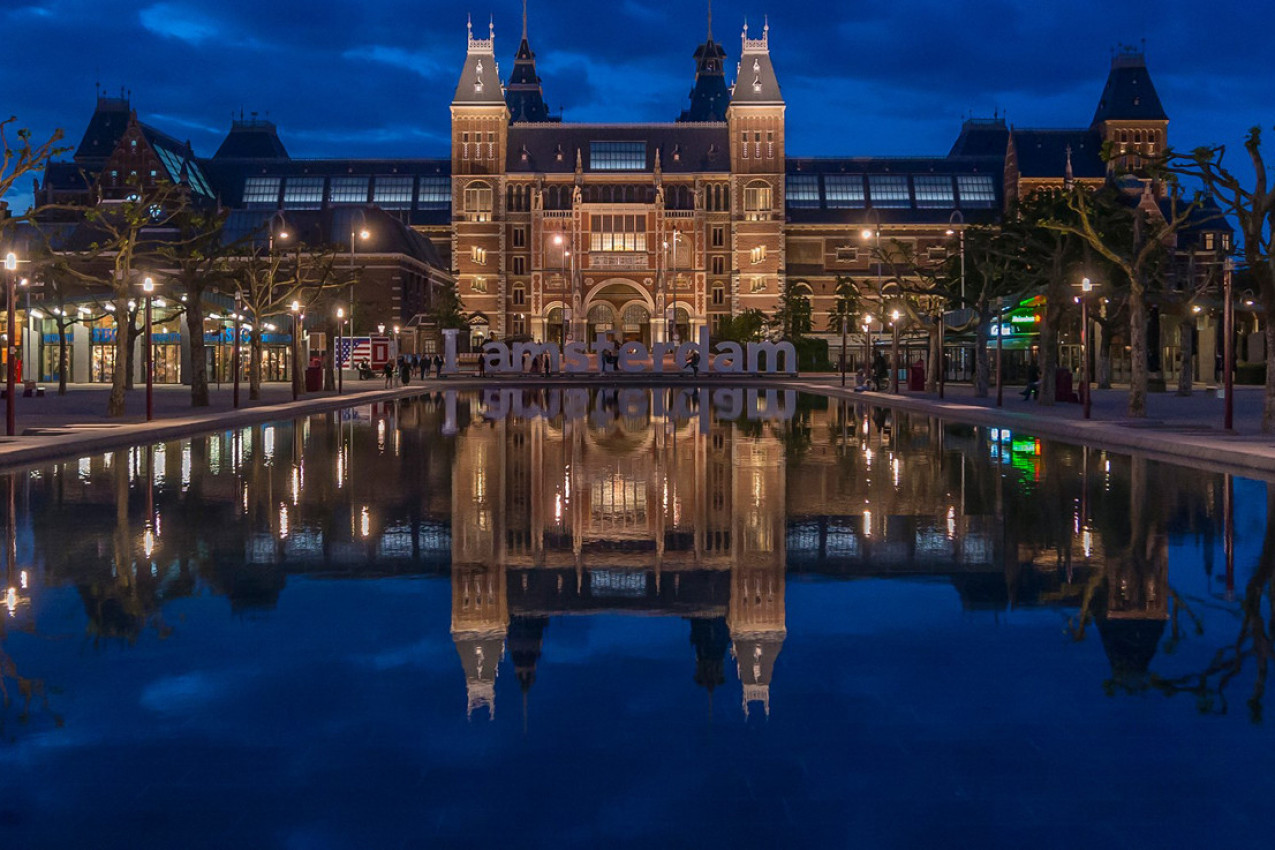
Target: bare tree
[(1253, 206)]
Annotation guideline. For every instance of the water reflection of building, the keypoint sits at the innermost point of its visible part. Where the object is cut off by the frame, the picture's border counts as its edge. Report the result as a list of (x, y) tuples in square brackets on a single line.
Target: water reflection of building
[(620, 510)]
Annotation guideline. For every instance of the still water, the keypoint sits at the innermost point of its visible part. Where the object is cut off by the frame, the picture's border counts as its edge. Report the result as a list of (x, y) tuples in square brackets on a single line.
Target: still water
[(634, 619)]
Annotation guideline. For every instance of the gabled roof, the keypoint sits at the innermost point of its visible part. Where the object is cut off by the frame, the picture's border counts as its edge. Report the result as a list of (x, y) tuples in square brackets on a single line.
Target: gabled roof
[(254, 138), (178, 160), (1043, 153), (1129, 94), (479, 83), (755, 80), (107, 125)]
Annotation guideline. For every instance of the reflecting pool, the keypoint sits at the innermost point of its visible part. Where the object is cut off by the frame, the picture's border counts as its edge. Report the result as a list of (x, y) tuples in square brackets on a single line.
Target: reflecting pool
[(681, 618)]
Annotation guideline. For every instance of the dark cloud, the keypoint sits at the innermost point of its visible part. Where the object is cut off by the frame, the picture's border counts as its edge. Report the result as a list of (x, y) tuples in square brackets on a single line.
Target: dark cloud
[(346, 79)]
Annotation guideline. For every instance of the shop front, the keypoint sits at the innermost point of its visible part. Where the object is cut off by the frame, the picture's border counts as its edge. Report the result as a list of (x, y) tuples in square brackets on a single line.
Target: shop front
[(276, 355)]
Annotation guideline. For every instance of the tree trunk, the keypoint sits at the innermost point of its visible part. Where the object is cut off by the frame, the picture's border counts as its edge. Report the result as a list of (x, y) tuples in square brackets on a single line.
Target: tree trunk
[(1268, 402), (1137, 351), (61, 357), (1186, 342), (119, 380), (198, 353), (1102, 350), (936, 358), (254, 364), (1049, 353), (132, 332), (982, 368)]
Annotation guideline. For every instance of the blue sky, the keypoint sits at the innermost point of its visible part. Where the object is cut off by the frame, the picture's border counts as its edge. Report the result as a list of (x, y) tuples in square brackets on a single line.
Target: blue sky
[(346, 79)]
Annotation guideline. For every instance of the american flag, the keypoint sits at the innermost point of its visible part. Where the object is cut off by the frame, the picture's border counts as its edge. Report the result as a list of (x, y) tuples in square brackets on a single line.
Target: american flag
[(354, 350)]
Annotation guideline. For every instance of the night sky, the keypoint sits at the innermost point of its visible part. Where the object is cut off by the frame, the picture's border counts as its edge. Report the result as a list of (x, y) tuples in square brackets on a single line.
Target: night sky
[(345, 79)]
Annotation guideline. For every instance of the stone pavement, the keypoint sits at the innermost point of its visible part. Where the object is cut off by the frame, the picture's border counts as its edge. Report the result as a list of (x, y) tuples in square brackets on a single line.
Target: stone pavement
[(1180, 429)]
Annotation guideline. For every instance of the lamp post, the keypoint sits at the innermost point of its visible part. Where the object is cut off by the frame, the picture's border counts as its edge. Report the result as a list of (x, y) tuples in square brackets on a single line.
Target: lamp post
[(894, 351), (1228, 345), (10, 414), (1000, 349), (363, 234), (670, 312), (957, 217), (234, 366), (340, 320), (296, 350), (1086, 287), (867, 345), (148, 287)]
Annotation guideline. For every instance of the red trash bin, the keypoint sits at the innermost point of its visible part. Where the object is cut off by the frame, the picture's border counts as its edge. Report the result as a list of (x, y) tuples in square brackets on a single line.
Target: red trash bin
[(916, 377), (314, 379)]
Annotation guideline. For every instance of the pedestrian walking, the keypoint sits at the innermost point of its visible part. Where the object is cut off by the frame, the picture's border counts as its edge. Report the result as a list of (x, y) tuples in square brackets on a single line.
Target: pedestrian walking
[(438, 366), (388, 369)]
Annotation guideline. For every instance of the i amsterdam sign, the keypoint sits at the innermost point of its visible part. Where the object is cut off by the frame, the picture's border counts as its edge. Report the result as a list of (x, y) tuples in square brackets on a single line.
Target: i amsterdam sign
[(577, 358)]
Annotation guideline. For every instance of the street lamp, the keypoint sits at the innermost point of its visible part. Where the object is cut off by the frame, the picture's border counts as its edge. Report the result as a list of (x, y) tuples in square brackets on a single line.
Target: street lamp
[(894, 352), (10, 414), (340, 320), (1086, 286), (844, 322), (958, 218), (296, 349), (1228, 345), (364, 234), (148, 287)]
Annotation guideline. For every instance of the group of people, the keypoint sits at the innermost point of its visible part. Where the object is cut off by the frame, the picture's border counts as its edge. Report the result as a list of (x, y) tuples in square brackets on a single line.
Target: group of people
[(412, 364)]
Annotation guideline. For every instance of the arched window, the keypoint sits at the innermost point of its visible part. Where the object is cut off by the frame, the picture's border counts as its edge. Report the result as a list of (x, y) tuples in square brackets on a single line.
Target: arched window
[(757, 200), (478, 201), (519, 295)]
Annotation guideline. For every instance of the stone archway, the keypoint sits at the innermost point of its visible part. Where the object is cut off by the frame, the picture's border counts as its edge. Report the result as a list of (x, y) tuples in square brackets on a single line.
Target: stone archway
[(620, 307)]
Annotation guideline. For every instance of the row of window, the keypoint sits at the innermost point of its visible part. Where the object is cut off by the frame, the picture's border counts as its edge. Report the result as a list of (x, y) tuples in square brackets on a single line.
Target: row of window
[(891, 191), (388, 191)]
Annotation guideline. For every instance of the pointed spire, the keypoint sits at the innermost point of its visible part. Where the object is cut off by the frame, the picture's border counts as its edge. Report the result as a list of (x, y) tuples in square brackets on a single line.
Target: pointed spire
[(710, 20), (709, 96), (524, 20), (524, 96)]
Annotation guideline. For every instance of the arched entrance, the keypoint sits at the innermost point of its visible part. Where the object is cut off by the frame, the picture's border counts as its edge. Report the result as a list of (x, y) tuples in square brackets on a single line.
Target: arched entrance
[(624, 307)]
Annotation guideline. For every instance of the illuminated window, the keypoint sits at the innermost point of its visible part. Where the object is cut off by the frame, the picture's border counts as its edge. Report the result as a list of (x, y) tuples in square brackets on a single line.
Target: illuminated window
[(259, 192), (976, 190), (617, 233), (303, 193), (758, 254), (436, 193), (348, 190), (479, 284), (478, 202), (889, 191), (934, 191), (617, 156), (803, 191), (478, 255), (393, 192), (844, 191), (759, 285), (757, 200)]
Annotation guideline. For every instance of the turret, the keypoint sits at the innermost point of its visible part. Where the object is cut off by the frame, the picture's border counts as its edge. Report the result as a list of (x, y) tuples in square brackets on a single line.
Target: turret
[(1129, 115), (709, 96), (524, 96)]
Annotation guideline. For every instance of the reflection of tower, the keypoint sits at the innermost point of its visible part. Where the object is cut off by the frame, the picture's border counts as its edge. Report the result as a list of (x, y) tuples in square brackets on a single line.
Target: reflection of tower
[(711, 639), (756, 618), (1136, 609), (480, 613), (526, 635)]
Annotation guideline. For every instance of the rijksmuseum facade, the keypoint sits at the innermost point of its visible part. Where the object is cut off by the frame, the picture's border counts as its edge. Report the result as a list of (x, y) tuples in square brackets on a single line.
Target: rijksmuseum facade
[(648, 231)]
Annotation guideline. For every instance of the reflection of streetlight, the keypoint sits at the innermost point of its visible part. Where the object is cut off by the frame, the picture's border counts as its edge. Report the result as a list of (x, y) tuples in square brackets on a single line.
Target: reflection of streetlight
[(1228, 346), (235, 347), (1086, 286)]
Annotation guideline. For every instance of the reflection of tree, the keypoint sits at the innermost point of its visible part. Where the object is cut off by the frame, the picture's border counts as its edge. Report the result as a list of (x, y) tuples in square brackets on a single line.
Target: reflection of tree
[(1254, 641)]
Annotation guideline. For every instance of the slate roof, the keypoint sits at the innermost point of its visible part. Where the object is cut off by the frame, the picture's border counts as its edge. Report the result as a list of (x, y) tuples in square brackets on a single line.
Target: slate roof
[(1129, 94), (981, 137), (254, 138), (1043, 153), (104, 131), (755, 80), (479, 83), (684, 148), (709, 95), (524, 96)]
